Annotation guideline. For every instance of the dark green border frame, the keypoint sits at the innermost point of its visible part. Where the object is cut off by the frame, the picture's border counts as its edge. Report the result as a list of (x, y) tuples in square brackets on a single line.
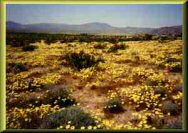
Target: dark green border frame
[(3, 57)]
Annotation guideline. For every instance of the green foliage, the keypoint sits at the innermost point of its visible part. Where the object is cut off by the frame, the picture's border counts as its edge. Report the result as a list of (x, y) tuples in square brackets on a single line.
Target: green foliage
[(160, 90), (84, 38), (177, 124), (171, 60), (169, 107), (81, 60), (178, 88), (32, 86), (28, 118), (26, 103), (152, 83), (76, 115), (99, 46), (60, 96), (24, 39), (117, 47), (29, 48), (173, 64), (16, 67), (33, 124), (114, 105), (155, 82), (162, 39), (176, 67), (147, 37), (113, 40), (155, 121)]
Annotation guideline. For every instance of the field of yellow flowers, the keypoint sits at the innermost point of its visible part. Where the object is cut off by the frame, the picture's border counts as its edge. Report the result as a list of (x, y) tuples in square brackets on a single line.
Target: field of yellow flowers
[(98, 85)]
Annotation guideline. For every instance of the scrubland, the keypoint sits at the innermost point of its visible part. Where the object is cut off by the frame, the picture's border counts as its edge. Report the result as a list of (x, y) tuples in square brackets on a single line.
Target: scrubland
[(95, 85)]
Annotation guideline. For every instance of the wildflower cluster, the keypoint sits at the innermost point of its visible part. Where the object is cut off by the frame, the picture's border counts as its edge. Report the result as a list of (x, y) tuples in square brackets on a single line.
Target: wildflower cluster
[(94, 85), (29, 117), (143, 97)]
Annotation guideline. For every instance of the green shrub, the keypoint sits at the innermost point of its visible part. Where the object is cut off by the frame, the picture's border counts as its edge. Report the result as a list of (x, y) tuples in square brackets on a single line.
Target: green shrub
[(175, 67), (178, 88), (75, 115), (81, 60), (152, 83), (160, 90), (162, 39), (117, 47), (169, 107), (155, 82), (32, 85), (60, 96), (28, 118), (170, 60), (16, 67), (147, 37), (34, 122), (155, 121), (29, 48), (114, 105), (177, 124), (113, 40), (84, 37), (28, 85), (26, 103), (99, 46)]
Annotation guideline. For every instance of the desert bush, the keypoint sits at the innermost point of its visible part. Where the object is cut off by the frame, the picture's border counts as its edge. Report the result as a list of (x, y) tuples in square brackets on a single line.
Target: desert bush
[(61, 96), (175, 67), (99, 46), (113, 40), (26, 85), (32, 85), (135, 56), (169, 107), (176, 124), (28, 118), (16, 67), (84, 37), (75, 115), (147, 37), (171, 64), (156, 80), (114, 105), (51, 39), (23, 102), (156, 121), (162, 39), (178, 88), (170, 60), (81, 60), (29, 48), (151, 83), (160, 90), (116, 47)]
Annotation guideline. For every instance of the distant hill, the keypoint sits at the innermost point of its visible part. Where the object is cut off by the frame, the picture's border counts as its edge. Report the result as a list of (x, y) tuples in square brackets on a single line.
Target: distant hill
[(175, 30), (90, 28)]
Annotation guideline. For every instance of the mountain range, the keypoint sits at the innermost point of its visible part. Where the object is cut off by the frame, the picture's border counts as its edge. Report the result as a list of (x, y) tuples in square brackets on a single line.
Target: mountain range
[(90, 28)]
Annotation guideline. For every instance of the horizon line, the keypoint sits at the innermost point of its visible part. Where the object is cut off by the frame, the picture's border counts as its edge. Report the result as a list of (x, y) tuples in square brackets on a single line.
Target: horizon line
[(95, 22)]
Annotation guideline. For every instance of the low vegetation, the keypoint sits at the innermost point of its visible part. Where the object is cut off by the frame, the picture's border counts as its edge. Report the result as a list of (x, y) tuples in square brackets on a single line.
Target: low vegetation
[(29, 48), (69, 118), (114, 105), (61, 81), (81, 60)]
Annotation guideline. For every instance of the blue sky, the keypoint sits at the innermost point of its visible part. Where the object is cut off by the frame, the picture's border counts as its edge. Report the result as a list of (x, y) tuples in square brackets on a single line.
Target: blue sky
[(115, 15)]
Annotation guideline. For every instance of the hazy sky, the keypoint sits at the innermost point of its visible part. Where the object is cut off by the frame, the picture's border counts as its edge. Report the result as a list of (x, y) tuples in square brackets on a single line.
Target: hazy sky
[(115, 15)]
